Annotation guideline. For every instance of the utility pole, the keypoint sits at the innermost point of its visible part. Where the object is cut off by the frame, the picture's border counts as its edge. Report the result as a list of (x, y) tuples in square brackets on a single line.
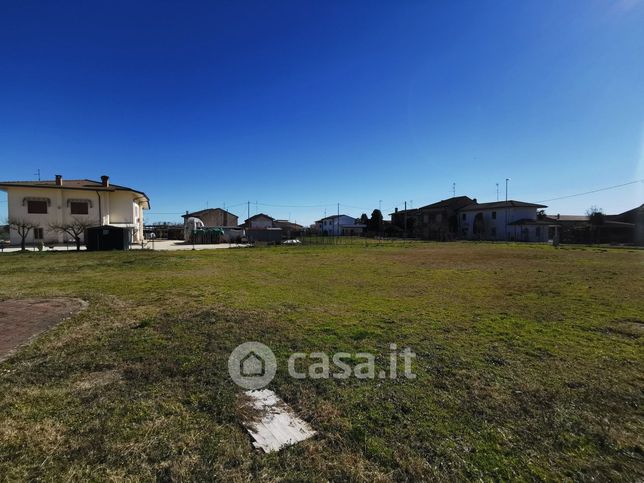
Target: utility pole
[(37, 173), (248, 210), (497, 192), (506, 188), (405, 230), (338, 218), (453, 190), (382, 218)]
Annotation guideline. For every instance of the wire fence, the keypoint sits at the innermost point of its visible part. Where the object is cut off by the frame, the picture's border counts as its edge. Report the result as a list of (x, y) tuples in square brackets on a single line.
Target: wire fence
[(353, 240)]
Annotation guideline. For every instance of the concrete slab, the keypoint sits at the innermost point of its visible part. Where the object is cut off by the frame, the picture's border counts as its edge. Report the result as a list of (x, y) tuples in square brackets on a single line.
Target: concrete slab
[(21, 320), (272, 423)]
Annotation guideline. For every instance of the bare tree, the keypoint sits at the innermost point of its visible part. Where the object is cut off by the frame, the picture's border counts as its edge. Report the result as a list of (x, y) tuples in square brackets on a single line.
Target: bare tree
[(596, 218), (22, 227), (75, 229), (596, 215)]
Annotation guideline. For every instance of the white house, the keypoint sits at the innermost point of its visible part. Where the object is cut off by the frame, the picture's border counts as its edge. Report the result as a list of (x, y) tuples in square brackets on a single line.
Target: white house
[(61, 201), (339, 225), (504, 221), (259, 221)]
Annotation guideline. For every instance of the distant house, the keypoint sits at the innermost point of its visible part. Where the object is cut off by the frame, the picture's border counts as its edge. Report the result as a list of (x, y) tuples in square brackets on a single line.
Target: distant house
[(406, 221), (289, 229), (213, 217), (259, 221), (627, 227), (337, 225), (503, 221), (61, 201), (436, 221), (636, 218)]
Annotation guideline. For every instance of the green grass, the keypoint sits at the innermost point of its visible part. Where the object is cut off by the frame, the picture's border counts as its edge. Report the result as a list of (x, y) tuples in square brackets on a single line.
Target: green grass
[(530, 363)]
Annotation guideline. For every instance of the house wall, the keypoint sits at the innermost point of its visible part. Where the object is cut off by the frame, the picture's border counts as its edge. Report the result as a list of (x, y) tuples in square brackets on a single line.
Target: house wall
[(334, 226), (261, 223), (495, 229), (116, 207), (218, 218)]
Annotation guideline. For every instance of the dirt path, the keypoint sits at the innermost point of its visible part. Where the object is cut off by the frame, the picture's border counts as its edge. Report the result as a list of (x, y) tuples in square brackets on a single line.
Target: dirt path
[(21, 320)]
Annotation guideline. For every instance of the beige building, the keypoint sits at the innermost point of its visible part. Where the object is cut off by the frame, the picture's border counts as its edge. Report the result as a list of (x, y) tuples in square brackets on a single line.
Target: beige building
[(59, 201), (213, 217)]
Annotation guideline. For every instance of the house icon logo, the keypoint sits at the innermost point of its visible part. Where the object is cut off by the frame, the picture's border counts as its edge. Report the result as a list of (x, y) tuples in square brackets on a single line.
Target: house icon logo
[(252, 365)]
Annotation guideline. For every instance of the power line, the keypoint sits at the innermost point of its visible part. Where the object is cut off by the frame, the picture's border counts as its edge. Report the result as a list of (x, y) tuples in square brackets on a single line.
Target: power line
[(296, 206), (594, 191)]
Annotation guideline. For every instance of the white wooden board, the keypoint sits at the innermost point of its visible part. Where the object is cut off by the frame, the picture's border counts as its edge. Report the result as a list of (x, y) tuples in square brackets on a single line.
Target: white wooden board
[(275, 425)]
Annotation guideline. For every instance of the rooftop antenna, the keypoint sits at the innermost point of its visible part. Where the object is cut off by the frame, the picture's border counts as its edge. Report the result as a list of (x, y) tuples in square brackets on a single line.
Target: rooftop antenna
[(454, 190), (497, 192), (37, 174)]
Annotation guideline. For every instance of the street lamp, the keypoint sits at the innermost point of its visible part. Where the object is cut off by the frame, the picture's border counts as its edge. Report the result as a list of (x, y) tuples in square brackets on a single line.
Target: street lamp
[(506, 208)]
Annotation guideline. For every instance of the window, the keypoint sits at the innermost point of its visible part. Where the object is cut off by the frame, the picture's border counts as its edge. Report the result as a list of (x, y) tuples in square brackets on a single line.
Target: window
[(464, 216), (38, 234), (494, 215), (79, 207), (37, 207)]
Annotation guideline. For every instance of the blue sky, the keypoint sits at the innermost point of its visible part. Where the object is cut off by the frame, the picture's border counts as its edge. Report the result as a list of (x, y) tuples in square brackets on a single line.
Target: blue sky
[(305, 104)]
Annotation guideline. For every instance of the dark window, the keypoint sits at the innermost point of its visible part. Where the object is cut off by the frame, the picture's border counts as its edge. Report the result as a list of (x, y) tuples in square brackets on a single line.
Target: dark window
[(37, 207), (464, 216), (79, 207), (494, 215), (38, 234)]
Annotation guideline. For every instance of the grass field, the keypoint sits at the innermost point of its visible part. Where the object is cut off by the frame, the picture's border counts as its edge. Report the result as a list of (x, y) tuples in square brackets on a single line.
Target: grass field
[(530, 363)]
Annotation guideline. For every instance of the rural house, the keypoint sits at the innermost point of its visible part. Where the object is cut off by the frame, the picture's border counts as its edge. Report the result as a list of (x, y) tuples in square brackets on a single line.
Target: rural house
[(213, 217), (503, 221), (259, 221), (339, 225), (57, 202), (437, 221), (263, 229), (626, 227), (289, 229)]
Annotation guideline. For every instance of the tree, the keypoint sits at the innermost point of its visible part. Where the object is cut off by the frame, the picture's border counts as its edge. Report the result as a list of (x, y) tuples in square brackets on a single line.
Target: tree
[(22, 227), (364, 219), (595, 215), (375, 223), (596, 218), (75, 228)]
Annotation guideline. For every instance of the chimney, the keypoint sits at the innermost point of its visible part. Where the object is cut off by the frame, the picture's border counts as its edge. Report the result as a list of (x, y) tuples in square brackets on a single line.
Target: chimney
[(396, 210), (59, 180), (105, 180), (474, 200)]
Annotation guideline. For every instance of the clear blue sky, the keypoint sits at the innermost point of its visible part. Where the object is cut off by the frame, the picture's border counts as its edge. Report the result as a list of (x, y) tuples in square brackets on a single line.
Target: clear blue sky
[(311, 103)]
